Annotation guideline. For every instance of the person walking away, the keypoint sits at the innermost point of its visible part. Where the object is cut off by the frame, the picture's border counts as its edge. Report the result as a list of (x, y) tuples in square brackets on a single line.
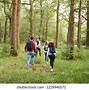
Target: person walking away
[(51, 54), (45, 50), (30, 48), (38, 41)]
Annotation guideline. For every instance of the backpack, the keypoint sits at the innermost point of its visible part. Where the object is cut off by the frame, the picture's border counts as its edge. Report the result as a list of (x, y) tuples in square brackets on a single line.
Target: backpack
[(37, 42), (30, 46), (52, 50)]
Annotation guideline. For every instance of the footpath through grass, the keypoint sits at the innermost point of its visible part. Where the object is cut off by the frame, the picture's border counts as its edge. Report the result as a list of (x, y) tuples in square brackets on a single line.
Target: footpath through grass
[(13, 70)]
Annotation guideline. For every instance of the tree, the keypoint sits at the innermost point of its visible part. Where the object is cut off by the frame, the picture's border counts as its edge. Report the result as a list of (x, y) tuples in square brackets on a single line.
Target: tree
[(41, 16), (18, 23), (71, 29), (14, 28), (57, 24), (87, 36), (79, 27), (0, 32), (5, 32), (31, 19)]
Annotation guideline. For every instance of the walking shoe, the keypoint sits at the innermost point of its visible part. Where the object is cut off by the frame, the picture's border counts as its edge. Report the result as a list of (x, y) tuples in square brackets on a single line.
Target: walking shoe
[(51, 70)]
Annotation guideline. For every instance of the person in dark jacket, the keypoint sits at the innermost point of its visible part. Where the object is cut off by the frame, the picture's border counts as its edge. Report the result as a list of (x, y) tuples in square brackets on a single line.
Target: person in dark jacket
[(51, 54)]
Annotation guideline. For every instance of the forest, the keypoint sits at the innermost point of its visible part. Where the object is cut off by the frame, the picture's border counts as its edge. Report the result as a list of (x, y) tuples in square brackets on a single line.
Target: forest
[(64, 22)]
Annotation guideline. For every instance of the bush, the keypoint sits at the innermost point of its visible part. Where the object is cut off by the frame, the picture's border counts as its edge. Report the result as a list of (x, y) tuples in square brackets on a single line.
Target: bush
[(65, 53), (5, 50)]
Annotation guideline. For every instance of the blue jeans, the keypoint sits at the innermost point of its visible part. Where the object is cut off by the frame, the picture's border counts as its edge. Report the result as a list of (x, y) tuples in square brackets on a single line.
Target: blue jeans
[(30, 55)]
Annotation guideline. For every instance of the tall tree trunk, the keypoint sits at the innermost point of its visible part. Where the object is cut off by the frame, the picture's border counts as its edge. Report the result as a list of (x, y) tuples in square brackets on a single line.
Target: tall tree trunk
[(41, 17), (57, 24), (14, 28), (87, 36), (5, 32), (10, 32), (0, 32), (31, 19), (46, 32), (79, 27), (18, 23), (71, 29)]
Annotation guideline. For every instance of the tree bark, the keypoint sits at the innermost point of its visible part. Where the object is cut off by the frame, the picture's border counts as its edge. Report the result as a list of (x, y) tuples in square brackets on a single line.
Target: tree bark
[(79, 27), (57, 25), (46, 32), (5, 32), (0, 32), (71, 30), (18, 23), (41, 17), (31, 19), (87, 36), (14, 28)]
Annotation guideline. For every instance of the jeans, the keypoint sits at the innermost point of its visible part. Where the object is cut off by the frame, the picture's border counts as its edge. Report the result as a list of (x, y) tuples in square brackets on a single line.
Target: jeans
[(46, 57), (52, 58), (30, 55)]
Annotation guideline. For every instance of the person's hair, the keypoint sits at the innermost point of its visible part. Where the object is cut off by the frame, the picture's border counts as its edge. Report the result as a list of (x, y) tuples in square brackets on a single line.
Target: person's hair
[(31, 38), (51, 44)]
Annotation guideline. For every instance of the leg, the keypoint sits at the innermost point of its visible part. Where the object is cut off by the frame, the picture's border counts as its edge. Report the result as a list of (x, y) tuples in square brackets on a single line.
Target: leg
[(40, 51), (45, 56), (28, 60), (52, 60), (50, 57), (33, 57)]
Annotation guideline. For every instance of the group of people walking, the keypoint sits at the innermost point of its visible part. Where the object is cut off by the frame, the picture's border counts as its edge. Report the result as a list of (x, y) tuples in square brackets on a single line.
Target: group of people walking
[(33, 48)]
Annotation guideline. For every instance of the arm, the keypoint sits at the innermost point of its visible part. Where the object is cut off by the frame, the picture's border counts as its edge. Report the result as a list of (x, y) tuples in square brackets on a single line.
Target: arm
[(25, 47)]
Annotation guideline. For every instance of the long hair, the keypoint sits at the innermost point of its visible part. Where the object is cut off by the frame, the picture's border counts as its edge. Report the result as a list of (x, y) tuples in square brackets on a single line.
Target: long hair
[(51, 44)]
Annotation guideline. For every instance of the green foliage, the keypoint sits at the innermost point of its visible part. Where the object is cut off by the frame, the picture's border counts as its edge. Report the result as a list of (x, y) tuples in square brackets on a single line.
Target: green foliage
[(65, 53), (5, 50), (13, 69)]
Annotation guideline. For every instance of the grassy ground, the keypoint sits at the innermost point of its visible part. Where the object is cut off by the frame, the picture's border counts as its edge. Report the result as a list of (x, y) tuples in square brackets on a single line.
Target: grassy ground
[(13, 70)]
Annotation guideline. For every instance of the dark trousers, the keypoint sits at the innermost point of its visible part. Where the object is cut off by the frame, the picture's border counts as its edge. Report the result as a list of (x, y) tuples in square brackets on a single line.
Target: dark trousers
[(52, 58), (39, 50), (46, 58)]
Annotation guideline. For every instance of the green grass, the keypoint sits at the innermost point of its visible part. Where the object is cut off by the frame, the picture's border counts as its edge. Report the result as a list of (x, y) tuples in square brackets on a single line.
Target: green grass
[(13, 70)]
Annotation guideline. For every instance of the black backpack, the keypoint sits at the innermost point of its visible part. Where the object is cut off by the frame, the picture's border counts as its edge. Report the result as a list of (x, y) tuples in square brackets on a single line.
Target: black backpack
[(52, 50), (37, 42), (30, 46)]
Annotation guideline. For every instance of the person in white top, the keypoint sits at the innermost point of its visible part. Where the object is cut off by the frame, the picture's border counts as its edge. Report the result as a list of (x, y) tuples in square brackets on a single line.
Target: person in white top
[(38, 41), (45, 50)]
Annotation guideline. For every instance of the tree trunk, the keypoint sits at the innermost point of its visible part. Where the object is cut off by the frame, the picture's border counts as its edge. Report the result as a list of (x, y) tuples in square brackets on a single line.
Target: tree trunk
[(0, 32), (31, 19), (46, 32), (14, 28), (87, 36), (18, 23), (41, 17), (5, 32), (10, 32), (79, 27), (71, 29), (57, 24)]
